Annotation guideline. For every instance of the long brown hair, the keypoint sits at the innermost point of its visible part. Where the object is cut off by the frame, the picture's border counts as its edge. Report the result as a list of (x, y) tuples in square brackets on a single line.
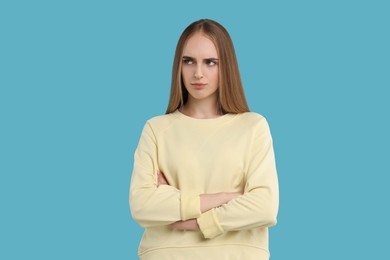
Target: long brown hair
[(231, 97)]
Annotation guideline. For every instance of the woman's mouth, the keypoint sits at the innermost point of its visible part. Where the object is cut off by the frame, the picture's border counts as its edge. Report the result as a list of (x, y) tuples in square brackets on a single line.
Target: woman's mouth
[(198, 85)]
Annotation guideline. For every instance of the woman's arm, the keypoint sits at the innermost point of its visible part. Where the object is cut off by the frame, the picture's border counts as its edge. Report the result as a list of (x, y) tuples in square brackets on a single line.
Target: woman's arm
[(155, 204), (258, 206), (207, 202), (151, 204)]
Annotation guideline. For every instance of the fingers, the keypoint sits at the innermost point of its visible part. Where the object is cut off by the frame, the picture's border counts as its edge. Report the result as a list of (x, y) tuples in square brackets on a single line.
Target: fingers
[(235, 195), (175, 225), (161, 180), (190, 225), (238, 194), (231, 195)]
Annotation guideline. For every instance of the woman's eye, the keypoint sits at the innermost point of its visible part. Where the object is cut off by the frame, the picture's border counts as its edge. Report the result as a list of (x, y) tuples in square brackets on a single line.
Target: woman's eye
[(187, 61), (211, 62)]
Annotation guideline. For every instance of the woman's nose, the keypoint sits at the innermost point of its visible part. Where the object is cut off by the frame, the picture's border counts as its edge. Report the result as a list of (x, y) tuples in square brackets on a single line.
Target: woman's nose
[(198, 72)]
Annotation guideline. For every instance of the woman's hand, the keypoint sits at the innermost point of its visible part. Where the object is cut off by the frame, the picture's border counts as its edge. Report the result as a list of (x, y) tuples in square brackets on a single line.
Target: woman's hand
[(209, 201), (161, 180), (190, 225)]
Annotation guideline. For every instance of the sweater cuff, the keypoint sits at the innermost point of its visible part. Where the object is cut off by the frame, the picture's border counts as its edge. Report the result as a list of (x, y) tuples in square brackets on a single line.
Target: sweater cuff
[(209, 224), (190, 206)]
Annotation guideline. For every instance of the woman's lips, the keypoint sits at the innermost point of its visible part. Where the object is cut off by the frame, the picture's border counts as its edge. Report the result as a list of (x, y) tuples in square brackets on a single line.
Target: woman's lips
[(198, 85)]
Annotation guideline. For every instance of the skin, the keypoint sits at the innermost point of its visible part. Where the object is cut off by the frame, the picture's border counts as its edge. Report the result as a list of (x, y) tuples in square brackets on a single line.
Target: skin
[(200, 75), (200, 66), (207, 202)]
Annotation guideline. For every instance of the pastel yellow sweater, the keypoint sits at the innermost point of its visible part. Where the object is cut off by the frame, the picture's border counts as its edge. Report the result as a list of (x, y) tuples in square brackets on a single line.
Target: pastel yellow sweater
[(231, 153)]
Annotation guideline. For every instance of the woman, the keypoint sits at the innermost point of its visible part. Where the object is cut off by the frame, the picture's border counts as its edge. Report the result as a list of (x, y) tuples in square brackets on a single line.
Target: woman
[(204, 182)]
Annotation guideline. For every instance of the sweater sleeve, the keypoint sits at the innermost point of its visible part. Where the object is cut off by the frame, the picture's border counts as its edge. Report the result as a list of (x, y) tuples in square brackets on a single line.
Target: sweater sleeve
[(151, 205), (258, 206)]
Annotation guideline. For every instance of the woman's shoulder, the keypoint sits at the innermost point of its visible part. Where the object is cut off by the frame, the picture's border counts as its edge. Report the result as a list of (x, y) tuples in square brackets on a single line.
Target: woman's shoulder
[(161, 121), (252, 117), (255, 122)]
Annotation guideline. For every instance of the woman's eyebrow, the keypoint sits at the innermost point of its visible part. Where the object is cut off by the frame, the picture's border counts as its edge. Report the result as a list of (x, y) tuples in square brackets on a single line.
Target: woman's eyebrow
[(213, 59), (191, 58)]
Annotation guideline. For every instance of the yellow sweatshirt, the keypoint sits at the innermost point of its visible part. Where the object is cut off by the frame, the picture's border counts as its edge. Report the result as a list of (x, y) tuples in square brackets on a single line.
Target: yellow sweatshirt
[(231, 153)]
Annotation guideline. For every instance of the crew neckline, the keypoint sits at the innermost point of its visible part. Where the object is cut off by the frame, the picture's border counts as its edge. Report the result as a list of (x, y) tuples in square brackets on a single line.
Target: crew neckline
[(204, 121)]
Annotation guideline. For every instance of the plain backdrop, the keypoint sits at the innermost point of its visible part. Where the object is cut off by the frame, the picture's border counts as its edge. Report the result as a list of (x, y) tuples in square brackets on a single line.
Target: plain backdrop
[(78, 80)]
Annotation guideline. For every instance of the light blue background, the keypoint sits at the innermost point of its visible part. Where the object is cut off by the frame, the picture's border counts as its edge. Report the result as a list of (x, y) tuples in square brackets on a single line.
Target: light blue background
[(80, 78)]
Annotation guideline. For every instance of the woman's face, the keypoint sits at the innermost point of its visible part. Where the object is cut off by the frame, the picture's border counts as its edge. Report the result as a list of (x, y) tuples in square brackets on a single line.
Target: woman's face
[(200, 67)]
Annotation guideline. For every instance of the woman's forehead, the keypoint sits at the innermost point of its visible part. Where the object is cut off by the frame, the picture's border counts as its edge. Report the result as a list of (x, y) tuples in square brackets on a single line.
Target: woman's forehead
[(199, 46)]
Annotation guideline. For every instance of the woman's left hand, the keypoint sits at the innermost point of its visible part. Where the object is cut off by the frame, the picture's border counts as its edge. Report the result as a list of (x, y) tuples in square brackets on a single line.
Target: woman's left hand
[(161, 180), (190, 225)]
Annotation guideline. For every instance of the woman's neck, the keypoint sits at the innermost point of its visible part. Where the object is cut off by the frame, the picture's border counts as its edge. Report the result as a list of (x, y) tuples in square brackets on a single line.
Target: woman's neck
[(201, 109)]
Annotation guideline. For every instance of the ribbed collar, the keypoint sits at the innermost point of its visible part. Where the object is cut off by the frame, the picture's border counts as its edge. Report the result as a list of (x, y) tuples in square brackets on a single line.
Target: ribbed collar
[(204, 122)]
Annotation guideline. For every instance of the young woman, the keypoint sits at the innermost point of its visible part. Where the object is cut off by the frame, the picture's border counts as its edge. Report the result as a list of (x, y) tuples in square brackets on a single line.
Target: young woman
[(204, 182)]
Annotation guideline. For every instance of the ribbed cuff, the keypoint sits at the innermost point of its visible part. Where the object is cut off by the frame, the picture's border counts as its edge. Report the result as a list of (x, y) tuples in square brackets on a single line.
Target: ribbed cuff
[(209, 225), (190, 206)]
